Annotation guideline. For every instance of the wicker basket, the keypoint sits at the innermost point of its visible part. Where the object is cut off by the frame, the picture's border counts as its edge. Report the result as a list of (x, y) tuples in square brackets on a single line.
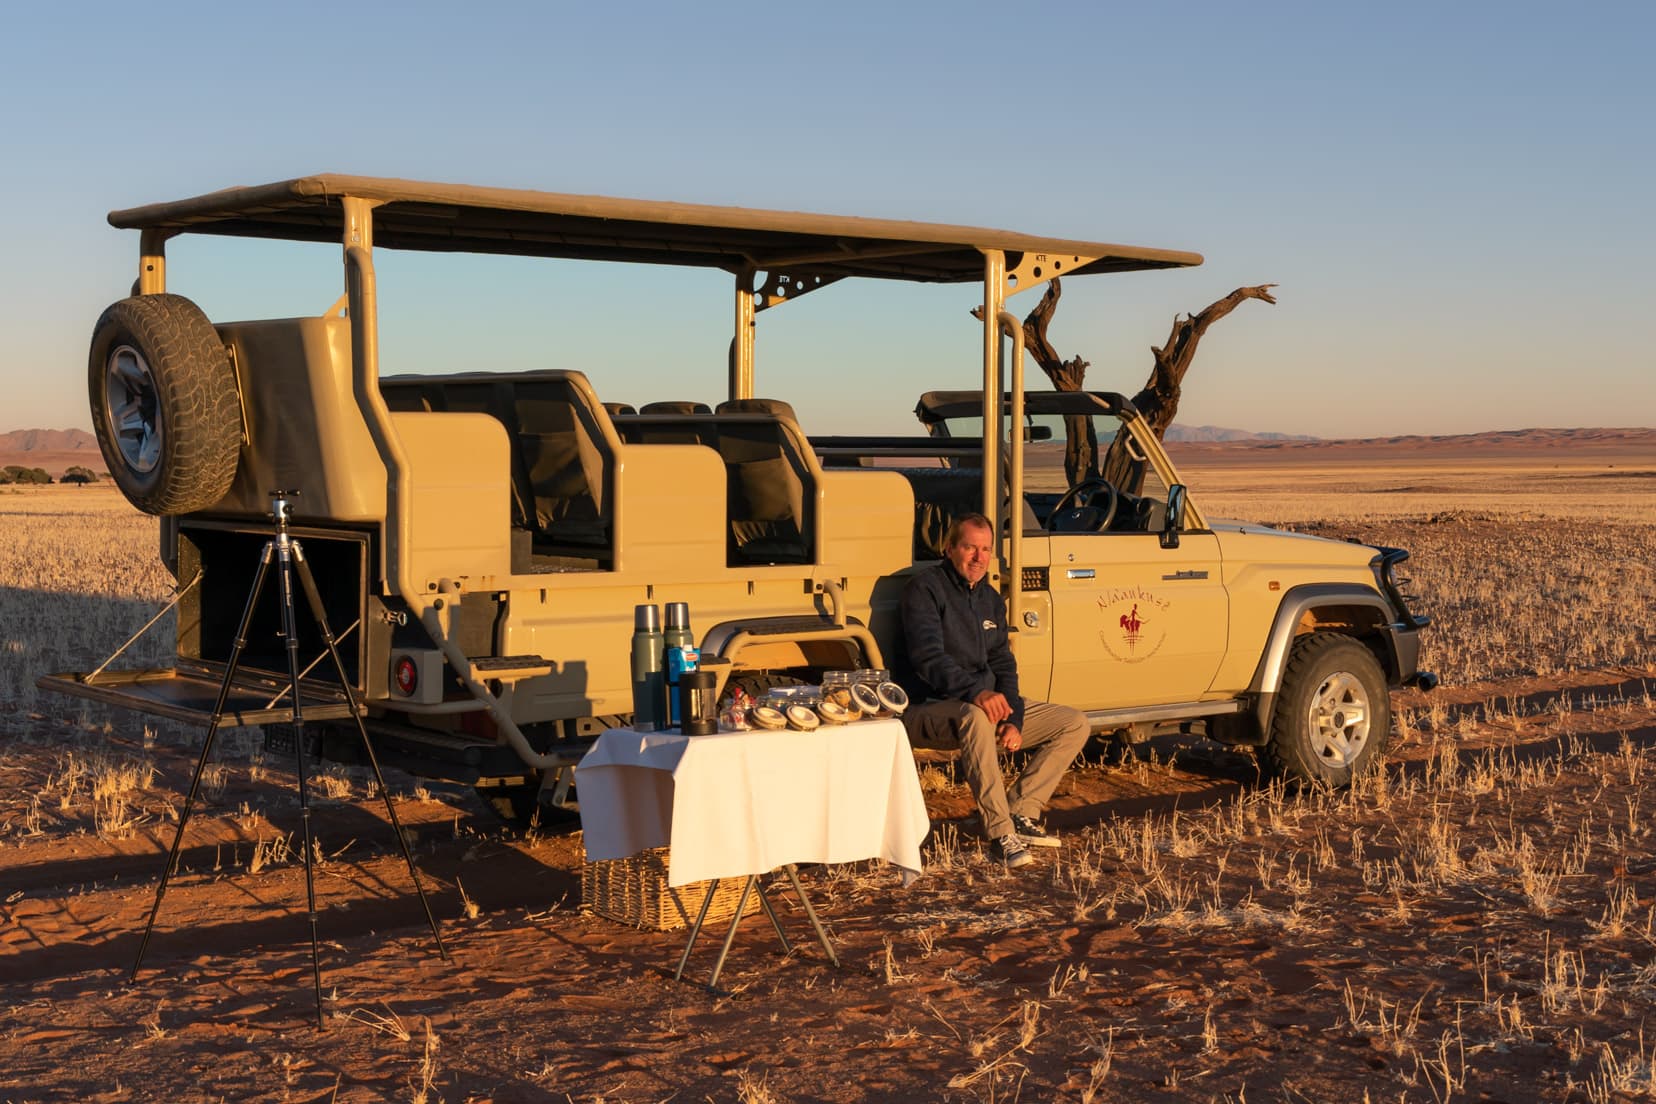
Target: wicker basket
[(634, 891)]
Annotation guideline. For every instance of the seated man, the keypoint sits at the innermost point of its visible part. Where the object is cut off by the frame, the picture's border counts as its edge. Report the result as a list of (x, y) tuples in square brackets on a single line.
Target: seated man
[(963, 680)]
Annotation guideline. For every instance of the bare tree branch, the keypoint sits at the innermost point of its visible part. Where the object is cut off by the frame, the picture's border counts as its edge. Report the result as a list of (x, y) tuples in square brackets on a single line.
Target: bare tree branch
[(1066, 375), (1159, 400)]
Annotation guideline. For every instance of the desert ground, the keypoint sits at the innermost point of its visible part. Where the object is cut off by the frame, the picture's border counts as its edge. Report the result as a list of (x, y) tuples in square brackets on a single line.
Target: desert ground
[(1476, 921)]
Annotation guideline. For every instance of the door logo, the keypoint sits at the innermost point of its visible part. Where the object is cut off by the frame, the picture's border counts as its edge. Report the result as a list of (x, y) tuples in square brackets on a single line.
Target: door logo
[(1134, 623)]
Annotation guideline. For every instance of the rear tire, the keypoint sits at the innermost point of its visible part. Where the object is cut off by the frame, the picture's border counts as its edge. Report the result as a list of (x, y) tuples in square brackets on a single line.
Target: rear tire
[(754, 685), (164, 404), (1332, 715)]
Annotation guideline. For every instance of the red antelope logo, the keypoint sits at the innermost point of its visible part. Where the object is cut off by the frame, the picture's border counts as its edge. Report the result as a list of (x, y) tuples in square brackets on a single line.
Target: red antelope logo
[(1131, 623)]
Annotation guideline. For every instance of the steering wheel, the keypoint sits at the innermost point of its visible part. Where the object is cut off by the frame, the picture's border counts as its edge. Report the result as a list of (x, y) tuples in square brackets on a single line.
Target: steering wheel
[(1093, 494)]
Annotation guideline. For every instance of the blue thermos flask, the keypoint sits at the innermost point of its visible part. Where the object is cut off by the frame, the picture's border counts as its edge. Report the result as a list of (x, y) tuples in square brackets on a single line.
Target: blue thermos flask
[(682, 656)]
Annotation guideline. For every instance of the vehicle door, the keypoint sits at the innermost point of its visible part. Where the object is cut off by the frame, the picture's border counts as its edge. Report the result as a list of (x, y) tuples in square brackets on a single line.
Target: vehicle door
[(1134, 623)]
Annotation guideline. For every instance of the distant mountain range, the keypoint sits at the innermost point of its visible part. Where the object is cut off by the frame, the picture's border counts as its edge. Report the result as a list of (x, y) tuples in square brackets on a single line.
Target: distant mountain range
[(48, 440), (1219, 435), (1502, 440), (57, 450)]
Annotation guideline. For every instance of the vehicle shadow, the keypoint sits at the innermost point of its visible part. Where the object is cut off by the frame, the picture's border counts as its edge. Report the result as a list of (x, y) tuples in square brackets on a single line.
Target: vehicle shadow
[(47, 632), (370, 895)]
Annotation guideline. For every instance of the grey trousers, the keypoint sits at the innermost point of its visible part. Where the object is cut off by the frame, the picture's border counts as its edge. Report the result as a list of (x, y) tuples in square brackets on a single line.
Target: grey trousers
[(1054, 733)]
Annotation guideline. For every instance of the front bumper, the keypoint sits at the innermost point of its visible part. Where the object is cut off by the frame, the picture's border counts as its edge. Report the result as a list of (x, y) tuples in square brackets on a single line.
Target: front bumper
[(1404, 633), (1404, 638)]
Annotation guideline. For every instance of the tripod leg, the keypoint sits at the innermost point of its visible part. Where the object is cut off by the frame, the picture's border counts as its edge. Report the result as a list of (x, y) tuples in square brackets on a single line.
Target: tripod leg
[(312, 596), (284, 577), (206, 750)]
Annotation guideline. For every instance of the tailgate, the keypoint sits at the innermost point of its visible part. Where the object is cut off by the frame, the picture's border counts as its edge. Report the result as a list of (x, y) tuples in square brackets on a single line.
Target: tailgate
[(189, 695)]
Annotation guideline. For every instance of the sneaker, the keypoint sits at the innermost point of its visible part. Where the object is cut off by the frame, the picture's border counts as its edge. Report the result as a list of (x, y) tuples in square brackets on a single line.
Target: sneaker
[(1032, 834), (1010, 850)]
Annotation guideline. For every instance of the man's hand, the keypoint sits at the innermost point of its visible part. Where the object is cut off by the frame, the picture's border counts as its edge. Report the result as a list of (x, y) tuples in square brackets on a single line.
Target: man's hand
[(1009, 737), (994, 703)]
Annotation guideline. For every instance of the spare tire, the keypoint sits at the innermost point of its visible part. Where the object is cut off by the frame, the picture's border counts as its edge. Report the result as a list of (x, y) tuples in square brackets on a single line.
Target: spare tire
[(164, 404)]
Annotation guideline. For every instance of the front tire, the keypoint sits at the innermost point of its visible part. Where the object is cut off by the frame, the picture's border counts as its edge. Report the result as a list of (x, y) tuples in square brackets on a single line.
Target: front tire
[(164, 404), (1332, 715)]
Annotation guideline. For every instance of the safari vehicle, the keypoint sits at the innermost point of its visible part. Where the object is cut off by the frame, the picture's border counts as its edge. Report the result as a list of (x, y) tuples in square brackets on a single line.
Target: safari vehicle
[(481, 539)]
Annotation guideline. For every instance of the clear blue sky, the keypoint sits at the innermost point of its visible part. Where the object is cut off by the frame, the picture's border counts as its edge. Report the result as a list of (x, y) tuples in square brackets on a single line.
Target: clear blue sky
[(1455, 199)]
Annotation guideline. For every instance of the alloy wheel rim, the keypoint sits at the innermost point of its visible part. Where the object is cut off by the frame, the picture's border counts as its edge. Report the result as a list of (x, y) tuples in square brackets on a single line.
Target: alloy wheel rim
[(1339, 719), (132, 404)]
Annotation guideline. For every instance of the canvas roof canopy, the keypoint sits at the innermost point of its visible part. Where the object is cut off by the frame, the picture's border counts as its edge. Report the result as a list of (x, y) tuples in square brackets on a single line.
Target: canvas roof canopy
[(468, 219)]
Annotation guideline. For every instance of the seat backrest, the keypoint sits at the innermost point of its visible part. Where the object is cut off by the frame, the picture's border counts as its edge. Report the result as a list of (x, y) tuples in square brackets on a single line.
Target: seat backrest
[(776, 408), (565, 465), (671, 429), (412, 395), (560, 483), (769, 481), (940, 496), (943, 494), (675, 406), (768, 490)]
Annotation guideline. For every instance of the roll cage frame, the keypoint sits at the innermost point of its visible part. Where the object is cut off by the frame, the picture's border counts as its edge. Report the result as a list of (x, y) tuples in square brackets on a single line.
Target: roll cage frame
[(775, 257)]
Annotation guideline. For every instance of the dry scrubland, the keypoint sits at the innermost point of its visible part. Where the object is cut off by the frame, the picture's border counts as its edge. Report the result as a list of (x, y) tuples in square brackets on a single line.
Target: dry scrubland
[(78, 575), (1525, 570), (1474, 922)]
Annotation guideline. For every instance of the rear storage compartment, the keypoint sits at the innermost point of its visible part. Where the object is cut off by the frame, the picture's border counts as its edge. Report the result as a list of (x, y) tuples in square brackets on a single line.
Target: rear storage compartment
[(228, 555)]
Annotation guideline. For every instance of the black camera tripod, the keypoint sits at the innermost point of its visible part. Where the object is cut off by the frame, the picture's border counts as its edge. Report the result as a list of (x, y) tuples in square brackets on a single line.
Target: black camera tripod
[(285, 550)]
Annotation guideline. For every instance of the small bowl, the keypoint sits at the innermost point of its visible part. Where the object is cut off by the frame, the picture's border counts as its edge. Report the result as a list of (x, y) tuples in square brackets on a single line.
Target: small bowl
[(832, 712), (802, 717), (769, 717)]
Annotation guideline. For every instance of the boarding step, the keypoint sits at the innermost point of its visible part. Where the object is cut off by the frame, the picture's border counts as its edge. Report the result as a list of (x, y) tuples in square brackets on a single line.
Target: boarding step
[(510, 668)]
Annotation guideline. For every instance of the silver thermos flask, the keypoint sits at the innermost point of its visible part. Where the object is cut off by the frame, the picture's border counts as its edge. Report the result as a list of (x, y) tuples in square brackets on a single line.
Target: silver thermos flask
[(649, 676)]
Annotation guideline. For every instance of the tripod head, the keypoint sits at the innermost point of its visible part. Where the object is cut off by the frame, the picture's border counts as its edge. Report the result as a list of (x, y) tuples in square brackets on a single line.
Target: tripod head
[(280, 507)]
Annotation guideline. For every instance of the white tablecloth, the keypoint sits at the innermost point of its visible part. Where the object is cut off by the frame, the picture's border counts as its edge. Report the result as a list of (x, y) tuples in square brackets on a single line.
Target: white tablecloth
[(739, 803)]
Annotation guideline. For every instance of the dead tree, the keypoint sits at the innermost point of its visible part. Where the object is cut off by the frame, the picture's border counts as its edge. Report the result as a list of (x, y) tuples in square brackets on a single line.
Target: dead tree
[(1158, 401)]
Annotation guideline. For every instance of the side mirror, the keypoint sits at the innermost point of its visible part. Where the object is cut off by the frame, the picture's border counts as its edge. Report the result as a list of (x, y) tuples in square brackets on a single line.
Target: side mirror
[(1173, 521), (1038, 433)]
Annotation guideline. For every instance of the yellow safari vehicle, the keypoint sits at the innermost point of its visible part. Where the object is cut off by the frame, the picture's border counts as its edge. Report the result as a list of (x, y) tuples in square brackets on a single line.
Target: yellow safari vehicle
[(480, 540)]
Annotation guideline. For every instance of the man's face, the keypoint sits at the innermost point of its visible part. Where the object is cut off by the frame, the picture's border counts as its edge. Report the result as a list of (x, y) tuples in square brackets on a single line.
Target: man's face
[(970, 554)]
